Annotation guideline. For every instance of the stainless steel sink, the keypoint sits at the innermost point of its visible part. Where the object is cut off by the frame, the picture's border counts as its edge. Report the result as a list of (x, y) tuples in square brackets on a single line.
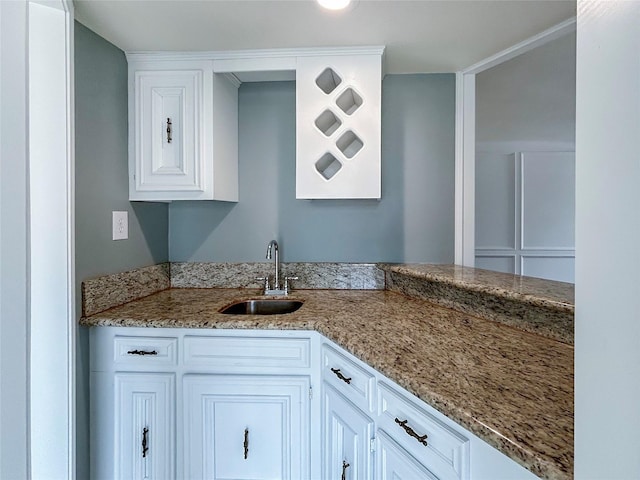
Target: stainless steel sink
[(263, 307)]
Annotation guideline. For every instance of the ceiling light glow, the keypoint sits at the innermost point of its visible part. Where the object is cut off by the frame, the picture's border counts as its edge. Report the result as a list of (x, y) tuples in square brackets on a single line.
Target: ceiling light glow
[(334, 4)]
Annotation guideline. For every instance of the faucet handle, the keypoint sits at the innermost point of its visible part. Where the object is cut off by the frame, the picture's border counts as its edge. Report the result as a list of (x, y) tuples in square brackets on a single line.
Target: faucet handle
[(265, 285), (286, 283)]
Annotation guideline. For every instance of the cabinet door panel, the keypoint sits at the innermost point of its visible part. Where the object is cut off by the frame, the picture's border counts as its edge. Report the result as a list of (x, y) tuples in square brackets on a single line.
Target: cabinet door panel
[(395, 463), (347, 434), (168, 123), (144, 440), (268, 414)]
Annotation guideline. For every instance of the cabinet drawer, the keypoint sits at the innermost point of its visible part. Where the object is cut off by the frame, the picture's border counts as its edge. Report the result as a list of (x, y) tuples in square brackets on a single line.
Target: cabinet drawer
[(446, 452), (353, 381), (140, 351), (253, 352)]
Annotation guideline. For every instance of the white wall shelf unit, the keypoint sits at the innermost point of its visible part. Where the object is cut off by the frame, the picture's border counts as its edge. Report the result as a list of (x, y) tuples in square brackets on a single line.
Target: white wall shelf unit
[(338, 125)]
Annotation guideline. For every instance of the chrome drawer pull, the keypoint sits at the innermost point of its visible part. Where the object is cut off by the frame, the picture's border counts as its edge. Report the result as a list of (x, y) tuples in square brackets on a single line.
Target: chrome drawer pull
[(246, 443), (141, 352), (169, 130), (341, 376), (421, 438)]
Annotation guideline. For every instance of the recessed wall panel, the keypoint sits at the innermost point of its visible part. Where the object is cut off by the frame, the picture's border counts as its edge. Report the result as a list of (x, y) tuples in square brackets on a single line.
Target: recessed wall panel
[(495, 201), (552, 268), (548, 200), (506, 264)]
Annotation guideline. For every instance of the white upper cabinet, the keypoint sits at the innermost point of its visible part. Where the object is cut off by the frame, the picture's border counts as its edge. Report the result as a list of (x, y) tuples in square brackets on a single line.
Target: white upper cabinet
[(183, 121), (183, 131), (338, 125)]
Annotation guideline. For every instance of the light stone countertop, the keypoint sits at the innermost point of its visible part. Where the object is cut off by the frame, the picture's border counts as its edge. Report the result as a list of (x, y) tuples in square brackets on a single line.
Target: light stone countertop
[(512, 388), (534, 291)]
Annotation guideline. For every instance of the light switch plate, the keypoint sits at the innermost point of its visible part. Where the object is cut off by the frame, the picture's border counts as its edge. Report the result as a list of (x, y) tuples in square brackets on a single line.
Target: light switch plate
[(120, 222)]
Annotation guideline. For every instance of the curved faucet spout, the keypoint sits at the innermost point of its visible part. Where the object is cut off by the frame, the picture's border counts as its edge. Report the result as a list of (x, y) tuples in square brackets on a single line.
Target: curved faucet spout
[(276, 280)]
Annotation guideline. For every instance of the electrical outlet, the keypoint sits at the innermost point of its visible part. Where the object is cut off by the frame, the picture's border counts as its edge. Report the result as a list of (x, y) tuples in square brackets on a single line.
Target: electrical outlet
[(120, 225)]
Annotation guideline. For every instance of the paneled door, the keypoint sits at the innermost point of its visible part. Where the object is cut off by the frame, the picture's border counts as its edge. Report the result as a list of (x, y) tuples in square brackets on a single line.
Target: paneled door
[(246, 427), (144, 426), (346, 439)]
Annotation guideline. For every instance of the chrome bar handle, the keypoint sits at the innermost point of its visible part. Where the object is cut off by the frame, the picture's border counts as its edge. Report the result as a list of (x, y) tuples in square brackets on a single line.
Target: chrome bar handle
[(145, 445), (286, 284), (169, 132), (341, 376), (420, 438), (265, 285), (246, 443), (345, 465)]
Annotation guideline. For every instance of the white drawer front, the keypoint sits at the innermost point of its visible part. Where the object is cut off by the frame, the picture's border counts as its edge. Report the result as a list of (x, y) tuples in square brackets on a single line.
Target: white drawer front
[(354, 382), (144, 351), (446, 452), (231, 351)]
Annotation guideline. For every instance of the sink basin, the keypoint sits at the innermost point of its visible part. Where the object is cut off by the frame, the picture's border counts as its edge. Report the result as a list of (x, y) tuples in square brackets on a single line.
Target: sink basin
[(263, 307)]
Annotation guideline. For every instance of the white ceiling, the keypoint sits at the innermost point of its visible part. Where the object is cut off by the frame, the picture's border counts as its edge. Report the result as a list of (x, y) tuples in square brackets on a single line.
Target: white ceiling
[(421, 36)]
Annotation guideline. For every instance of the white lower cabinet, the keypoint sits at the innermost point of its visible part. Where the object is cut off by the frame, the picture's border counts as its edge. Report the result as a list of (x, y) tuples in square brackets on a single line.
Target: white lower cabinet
[(245, 427), (347, 436), (144, 413), (241, 405)]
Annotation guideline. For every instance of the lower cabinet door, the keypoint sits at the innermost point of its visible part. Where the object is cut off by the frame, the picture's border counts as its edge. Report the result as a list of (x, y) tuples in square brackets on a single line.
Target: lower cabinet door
[(346, 438), (395, 463), (144, 426), (246, 427)]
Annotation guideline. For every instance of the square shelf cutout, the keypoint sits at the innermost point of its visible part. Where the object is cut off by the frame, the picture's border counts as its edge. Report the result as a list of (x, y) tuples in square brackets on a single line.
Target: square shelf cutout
[(328, 81), (328, 123), (349, 101), (349, 144), (328, 166)]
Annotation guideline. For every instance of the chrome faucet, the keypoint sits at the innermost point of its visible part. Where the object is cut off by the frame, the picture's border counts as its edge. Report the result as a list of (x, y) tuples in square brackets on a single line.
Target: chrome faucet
[(275, 288), (276, 260)]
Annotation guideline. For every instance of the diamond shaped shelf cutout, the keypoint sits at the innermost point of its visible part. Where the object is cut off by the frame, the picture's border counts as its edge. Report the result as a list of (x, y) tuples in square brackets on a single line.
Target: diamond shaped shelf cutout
[(328, 123), (328, 166), (328, 81), (349, 101), (349, 144)]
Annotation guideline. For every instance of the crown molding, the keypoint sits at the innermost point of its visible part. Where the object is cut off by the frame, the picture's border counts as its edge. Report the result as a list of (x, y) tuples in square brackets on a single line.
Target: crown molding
[(276, 53)]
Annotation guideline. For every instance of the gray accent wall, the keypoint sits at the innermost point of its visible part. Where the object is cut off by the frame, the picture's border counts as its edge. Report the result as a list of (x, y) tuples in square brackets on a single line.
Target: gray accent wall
[(413, 222), (530, 100), (101, 187)]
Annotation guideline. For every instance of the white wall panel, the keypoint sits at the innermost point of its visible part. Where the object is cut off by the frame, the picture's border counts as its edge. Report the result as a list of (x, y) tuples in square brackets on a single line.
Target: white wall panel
[(549, 267), (495, 201), (506, 263), (548, 200)]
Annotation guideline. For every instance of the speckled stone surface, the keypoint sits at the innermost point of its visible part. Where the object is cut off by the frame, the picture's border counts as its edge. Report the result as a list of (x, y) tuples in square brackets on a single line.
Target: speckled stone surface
[(511, 388), (351, 276), (539, 306), (105, 292)]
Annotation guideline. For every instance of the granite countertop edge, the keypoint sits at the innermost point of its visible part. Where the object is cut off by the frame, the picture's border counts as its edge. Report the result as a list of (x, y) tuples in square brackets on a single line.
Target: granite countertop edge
[(444, 274)]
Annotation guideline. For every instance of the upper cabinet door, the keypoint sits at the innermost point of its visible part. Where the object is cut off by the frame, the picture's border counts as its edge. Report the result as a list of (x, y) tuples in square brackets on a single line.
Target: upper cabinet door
[(182, 134), (168, 121), (338, 124)]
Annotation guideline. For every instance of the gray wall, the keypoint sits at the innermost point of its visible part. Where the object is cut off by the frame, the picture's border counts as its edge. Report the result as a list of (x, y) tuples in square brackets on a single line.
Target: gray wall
[(101, 186), (14, 241), (413, 222), (531, 98)]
